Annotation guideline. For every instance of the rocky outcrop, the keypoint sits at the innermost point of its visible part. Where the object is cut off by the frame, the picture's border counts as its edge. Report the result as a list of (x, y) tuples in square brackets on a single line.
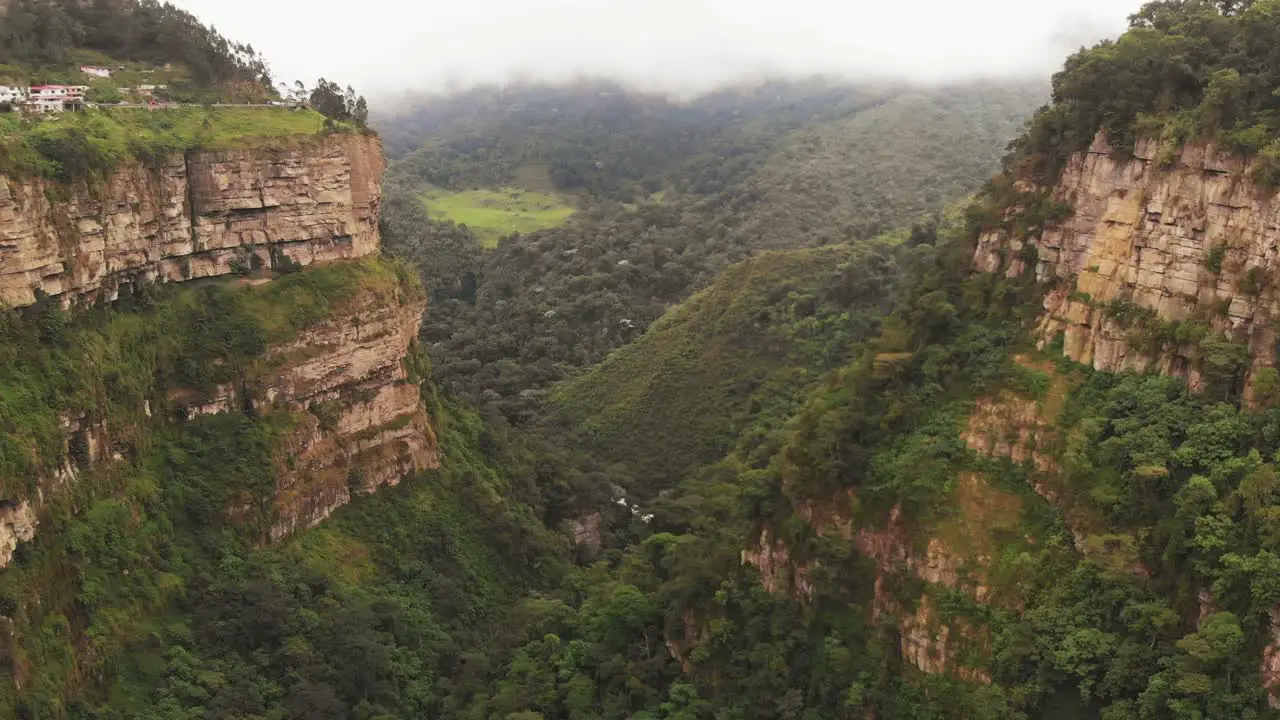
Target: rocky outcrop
[(17, 524), (1186, 234), (586, 533), (360, 423), (190, 216), (357, 418), (956, 556)]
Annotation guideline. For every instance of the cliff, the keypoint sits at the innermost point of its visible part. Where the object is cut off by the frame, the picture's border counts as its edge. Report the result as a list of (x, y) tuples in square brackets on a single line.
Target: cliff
[(956, 555), (1184, 236), (190, 216), (359, 423), (343, 373)]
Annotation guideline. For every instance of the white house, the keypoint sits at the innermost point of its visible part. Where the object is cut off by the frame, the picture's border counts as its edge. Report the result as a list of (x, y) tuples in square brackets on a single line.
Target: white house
[(55, 98), (12, 94), (96, 71)]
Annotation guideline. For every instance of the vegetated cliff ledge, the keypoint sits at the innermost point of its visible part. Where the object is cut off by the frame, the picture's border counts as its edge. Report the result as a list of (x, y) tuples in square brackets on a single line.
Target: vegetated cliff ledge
[(359, 419), (1169, 239), (202, 214), (957, 555), (343, 391)]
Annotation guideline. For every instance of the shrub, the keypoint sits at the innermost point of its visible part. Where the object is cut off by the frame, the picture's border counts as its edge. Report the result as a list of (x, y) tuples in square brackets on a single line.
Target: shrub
[(1214, 258)]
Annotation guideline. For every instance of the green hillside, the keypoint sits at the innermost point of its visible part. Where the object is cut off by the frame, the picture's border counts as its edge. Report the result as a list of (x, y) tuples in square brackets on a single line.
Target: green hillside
[(719, 366), (773, 167), (768, 448)]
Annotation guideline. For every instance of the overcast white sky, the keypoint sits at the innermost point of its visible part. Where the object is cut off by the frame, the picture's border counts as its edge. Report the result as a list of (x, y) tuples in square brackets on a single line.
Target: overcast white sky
[(382, 46)]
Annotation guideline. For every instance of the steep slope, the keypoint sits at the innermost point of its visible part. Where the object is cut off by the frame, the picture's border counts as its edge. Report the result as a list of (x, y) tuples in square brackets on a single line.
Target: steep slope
[(1161, 266), (190, 216), (746, 347), (159, 422), (959, 523)]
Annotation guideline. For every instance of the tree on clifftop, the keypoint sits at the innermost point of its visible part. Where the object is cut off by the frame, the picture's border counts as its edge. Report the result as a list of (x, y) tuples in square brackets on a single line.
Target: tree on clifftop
[(330, 100)]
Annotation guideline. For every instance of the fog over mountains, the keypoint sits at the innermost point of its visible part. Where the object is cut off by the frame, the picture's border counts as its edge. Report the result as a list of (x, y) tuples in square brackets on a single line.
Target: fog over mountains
[(387, 46)]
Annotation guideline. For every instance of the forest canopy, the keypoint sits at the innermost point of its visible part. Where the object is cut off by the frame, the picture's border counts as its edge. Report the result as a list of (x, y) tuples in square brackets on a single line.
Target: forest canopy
[(45, 33), (1186, 70)]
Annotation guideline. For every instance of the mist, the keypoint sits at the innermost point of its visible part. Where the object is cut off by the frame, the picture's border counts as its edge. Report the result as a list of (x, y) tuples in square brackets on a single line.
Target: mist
[(389, 47)]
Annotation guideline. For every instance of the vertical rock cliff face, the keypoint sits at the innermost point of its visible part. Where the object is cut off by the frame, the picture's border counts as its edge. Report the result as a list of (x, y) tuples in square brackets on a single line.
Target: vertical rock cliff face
[(190, 216), (1184, 235), (358, 418), (955, 556), (1187, 235), (364, 425)]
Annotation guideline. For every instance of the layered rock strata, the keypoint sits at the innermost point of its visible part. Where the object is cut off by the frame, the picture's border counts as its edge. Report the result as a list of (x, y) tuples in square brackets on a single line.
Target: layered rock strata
[(191, 216), (1186, 234)]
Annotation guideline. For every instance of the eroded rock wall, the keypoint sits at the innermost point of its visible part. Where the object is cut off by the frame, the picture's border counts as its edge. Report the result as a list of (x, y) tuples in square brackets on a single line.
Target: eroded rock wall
[(375, 431), (190, 216), (1187, 234), (358, 418)]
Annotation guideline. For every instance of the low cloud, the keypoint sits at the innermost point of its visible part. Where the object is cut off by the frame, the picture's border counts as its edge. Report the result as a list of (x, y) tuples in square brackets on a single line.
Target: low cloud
[(388, 46)]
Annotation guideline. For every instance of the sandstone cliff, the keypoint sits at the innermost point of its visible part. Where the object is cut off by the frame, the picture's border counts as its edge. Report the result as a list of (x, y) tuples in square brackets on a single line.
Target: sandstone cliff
[(190, 216), (357, 418), (1186, 235), (956, 556)]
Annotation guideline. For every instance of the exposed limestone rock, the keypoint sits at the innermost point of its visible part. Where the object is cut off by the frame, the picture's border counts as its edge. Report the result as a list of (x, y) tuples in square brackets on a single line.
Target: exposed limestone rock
[(585, 532), (381, 434), (17, 524), (1145, 230), (1270, 667), (360, 420), (777, 572), (190, 217), (928, 642), (1024, 429)]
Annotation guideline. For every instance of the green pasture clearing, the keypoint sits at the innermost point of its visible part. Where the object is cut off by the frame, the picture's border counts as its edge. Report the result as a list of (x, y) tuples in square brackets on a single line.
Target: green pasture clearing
[(494, 214)]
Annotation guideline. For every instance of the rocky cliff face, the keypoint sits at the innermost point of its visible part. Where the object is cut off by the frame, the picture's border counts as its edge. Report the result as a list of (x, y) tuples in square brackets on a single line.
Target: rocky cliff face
[(1187, 235), (358, 418), (190, 216), (957, 555), (360, 423), (364, 425)]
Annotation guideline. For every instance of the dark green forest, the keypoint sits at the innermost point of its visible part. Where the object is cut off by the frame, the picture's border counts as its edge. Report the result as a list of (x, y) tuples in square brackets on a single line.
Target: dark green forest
[(765, 169), (47, 34), (703, 443)]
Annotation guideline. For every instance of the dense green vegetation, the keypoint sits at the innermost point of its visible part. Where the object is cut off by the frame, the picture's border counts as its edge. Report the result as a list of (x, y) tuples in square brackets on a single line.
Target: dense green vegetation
[(90, 144), (737, 169), (748, 347), (110, 364), (369, 616), (49, 34), (689, 405), (1186, 70), (126, 541), (144, 43)]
